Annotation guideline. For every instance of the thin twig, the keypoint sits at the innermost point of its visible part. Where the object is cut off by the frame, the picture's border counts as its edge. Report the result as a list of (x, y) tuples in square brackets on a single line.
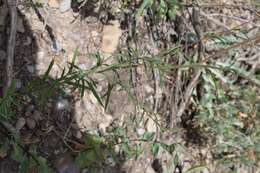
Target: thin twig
[(195, 80), (11, 44), (207, 16), (235, 18), (188, 93), (229, 6)]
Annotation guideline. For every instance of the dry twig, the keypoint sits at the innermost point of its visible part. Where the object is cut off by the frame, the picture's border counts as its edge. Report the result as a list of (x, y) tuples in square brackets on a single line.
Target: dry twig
[(11, 44)]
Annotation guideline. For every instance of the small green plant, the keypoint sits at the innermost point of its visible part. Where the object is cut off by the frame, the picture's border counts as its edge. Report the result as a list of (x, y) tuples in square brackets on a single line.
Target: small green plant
[(161, 8), (229, 117)]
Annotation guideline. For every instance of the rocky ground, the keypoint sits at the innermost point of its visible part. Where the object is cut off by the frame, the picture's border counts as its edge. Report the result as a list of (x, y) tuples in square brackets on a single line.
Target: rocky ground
[(54, 30)]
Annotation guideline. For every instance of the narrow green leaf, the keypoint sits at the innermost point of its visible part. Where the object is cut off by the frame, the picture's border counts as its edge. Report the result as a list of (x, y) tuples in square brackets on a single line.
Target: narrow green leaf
[(109, 89), (155, 149), (94, 92), (43, 167), (45, 76), (82, 88), (148, 136), (138, 151), (72, 64), (196, 169), (168, 148), (63, 73), (145, 4)]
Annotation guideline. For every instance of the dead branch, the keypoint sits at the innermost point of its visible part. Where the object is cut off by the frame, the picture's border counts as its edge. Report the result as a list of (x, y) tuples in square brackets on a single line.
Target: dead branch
[(11, 44)]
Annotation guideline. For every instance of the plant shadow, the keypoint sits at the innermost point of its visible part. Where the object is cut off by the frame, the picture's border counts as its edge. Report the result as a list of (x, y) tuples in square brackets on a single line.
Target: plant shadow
[(42, 112)]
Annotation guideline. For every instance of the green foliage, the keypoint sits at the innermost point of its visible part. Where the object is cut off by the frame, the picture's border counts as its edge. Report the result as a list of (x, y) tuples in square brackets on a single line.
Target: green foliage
[(196, 169), (7, 102), (228, 115), (28, 162), (161, 8)]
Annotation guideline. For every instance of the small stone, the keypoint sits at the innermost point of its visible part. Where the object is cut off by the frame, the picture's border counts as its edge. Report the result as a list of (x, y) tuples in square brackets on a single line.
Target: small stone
[(28, 114), (30, 108), (140, 131), (65, 5), (77, 134), (30, 123), (111, 161), (30, 68), (20, 25), (49, 105), (18, 84), (62, 104), (149, 89), (53, 3), (151, 126), (103, 126), (37, 116), (28, 41), (55, 47), (20, 124), (40, 55)]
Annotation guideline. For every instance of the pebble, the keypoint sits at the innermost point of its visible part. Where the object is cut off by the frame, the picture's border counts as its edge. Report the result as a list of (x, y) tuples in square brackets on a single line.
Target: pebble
[(149, 89), (62, 104), (18, 84), (151, 126), (140, 131), (55, 47), (28, 114), (20, 124), (28, 41), (77, 134), (65, 5), (30, 123), (37, 116), (40, 55), (30, 68), (30, 108)]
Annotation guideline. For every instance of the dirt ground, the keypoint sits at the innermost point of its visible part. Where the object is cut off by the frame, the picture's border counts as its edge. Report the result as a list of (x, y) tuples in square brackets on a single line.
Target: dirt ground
[(46, 33)]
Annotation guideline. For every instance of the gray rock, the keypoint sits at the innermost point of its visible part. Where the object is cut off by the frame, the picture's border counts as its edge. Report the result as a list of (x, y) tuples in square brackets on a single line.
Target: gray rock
[(18, 84), (20, 124), (30, 68), (62, 104), (55, 47), (30, 123), (28, 41), (30, 108), (65, 5), (37, 116)]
